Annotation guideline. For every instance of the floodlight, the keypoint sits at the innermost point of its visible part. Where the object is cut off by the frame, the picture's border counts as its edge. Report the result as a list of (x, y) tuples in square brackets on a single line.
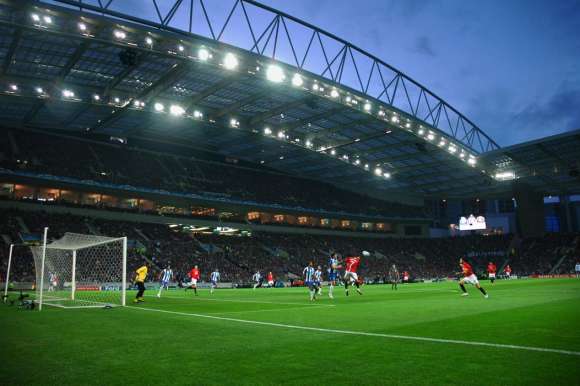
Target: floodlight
[(408, 125), (315, 87), (348, 99), (68, 94), (334, 93), (82, 26), (367, 106), (387, 175), (267, 131), (39, 90), (120, 34), (234, 122), (176, 110), (96, 97), (203, 54), (117, 100), (47, 19), (136, 103), (148, 40), (452, 149), (378, 171), (275, 73), (297, 80), (35, 17), (421, 131), (471, 161), (13, 87), (357, 162), (230, 61), (159, 107), (430, 136), (462, 155), (308, 144), (333, 152), (394, 119), (281, 134), (197, 114), (180, 48)]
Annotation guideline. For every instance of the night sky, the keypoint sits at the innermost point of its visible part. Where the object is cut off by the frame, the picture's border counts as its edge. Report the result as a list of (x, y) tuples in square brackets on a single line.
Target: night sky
[(512, 67)]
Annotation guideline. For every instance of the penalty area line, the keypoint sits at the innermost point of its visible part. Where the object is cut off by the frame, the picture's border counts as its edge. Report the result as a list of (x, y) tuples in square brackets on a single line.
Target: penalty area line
[(362, 333)]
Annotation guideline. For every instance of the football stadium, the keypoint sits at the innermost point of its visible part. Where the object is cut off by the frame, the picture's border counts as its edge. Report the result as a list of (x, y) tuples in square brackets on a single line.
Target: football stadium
[(210, 192)]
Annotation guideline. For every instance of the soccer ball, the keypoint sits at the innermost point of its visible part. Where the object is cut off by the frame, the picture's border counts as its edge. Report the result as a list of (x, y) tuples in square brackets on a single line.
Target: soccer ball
[(366, 253)]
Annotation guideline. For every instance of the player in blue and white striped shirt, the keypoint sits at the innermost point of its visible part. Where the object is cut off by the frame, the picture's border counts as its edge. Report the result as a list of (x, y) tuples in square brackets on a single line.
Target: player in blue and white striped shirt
[(318, 280), (215, 278), (332, 273), (165, 277), (308, 274)]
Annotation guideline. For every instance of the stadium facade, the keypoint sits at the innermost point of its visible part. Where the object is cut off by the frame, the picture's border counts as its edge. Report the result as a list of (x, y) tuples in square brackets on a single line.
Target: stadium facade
[(255, 89)]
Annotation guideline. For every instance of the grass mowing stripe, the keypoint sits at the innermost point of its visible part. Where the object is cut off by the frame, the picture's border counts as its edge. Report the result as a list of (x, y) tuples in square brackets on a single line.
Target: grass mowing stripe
[(241, 301), (362, 333)]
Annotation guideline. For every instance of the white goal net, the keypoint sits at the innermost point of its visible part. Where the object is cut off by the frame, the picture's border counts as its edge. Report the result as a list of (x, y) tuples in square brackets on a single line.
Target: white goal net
[(78, 271)]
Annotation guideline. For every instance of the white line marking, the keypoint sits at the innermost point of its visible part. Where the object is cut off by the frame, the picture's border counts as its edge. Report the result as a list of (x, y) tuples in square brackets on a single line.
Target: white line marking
[(241, 301), (362, 333)]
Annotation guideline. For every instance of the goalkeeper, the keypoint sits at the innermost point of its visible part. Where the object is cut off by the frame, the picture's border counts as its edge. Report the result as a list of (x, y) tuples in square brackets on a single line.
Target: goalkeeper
[(140, 282)]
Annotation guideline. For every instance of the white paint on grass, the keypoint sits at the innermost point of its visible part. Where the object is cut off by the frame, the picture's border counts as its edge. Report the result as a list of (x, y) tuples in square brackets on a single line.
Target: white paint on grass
[(362, 333)]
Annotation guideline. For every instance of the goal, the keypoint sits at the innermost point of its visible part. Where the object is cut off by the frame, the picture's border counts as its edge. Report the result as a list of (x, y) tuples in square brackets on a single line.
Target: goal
[(79, 271)]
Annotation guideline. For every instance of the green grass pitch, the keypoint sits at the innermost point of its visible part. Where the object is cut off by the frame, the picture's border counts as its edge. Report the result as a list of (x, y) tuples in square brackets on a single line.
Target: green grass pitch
[(355, 340)]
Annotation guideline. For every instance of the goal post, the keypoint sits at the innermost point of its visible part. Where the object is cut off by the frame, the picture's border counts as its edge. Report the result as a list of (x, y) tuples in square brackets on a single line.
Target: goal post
[(80, 271), (19, 274)]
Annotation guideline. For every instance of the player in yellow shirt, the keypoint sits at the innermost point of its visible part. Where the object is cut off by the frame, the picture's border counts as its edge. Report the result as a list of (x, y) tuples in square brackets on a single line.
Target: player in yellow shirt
[(140, 282)]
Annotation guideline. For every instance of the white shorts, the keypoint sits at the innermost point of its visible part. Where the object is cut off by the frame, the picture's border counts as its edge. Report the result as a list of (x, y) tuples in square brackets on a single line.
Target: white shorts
[(193, 282), (508, 274), (492, 275), (471, 279), (271, 282), (350, 276)]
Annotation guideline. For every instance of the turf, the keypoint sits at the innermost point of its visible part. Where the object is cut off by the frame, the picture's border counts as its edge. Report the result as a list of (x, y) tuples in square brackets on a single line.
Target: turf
[(170, 341)]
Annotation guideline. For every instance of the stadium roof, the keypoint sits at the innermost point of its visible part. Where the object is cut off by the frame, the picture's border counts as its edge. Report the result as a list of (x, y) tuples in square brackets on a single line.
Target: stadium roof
[(293, 97), (549, 165)]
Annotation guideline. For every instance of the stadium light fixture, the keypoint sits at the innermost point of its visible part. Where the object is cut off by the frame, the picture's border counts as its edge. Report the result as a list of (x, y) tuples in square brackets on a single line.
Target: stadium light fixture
[(203, 54), (381, 113), (504, 176), (117, 100), (281, 135), (430, 136), (68, 93), (197, 114), (47, 19), (408, 125), (334, 93), (230, 61), (378, 171), (315, 87), (420, 131), (367, 106), (452, 149), (149, 41), (308, 144), (35, 17), (234, 122), (120, 34), (13, 87), (82, 26), (159, 107), (180, 48), (395, 119), (267, 131), (97, 97), (357, 162), (442, 142), (297, 80), (345, 157), (176, 110), (333, 152), (387, 175), (462, 155), (275, 73), (471, 161), (39, 90), (367, 166), (136, 103)]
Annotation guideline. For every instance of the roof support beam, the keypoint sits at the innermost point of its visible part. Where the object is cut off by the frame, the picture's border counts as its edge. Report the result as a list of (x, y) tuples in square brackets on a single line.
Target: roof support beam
[(276, 111), (228, 80), (239, 104)]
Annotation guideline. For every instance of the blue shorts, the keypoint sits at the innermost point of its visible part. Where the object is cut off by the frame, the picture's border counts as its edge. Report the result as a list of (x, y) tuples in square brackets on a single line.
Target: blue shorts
[(317, 283), (164, 283), (214, 283), (309, 284), (332, 276)]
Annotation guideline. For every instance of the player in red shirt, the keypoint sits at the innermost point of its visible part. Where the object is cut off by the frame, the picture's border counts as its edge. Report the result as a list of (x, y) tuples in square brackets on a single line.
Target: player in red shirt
[(469, 277), (350, 276), (491, 271), (270, 279), (508, 271), (405, 276), (194, 275)]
